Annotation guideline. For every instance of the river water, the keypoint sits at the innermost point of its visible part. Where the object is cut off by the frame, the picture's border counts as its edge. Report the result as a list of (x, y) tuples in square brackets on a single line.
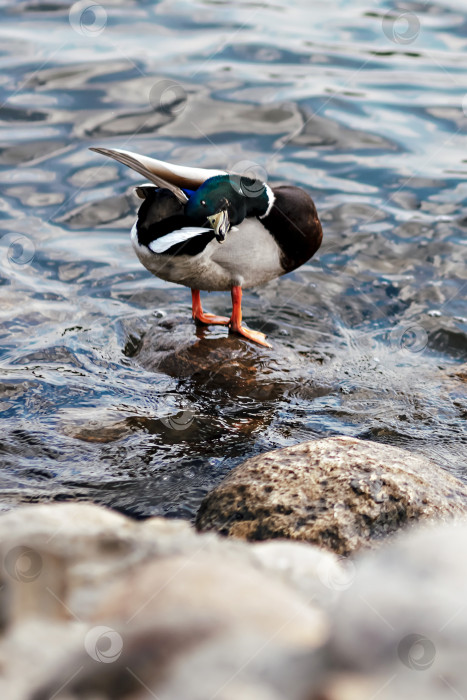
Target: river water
[(363, 103)]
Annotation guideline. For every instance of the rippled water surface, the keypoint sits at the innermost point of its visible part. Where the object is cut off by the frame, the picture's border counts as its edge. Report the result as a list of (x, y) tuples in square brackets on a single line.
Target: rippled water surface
[(108, 392)]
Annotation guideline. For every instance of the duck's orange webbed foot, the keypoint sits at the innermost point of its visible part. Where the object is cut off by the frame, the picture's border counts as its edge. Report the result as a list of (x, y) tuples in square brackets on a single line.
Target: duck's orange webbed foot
[(255, 336), (235, 324), (211, 319), (200, 316)]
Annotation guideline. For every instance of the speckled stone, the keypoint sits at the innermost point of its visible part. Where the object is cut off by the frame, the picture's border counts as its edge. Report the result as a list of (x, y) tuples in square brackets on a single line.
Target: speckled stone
[(341, 493), (461, 372)]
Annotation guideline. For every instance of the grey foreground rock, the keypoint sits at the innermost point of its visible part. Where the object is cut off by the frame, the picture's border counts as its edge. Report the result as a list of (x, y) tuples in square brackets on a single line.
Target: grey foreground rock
[(400, 630), (95, 606), (341, 493), (104, 606)]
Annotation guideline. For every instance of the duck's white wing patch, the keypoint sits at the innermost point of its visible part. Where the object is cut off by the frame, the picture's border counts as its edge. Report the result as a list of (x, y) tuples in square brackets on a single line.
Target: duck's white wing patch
[(184, 234)]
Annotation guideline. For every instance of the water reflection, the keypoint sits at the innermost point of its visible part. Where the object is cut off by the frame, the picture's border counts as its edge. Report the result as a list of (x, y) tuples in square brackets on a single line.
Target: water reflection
[(107, 390)]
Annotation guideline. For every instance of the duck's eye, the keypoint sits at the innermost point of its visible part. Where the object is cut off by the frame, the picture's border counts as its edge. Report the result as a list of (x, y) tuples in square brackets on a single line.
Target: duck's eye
[(203, 202)]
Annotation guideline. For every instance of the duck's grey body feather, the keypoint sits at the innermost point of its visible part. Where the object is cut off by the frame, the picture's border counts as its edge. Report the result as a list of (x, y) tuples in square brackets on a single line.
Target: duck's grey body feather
[(248, 257)]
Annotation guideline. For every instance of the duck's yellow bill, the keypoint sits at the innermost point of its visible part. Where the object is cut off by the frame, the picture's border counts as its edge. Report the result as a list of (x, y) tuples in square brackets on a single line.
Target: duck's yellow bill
[(220, 224)]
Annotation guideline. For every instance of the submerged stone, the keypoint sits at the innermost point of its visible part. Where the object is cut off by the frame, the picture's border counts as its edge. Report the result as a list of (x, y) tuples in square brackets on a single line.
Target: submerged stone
[(218, 360)]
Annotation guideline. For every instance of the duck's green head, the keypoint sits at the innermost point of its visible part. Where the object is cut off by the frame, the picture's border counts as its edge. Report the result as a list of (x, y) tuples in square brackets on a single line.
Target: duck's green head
[(225, 200)]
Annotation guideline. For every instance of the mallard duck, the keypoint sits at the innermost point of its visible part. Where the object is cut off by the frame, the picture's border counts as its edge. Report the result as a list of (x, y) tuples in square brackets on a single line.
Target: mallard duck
[(212, 230)]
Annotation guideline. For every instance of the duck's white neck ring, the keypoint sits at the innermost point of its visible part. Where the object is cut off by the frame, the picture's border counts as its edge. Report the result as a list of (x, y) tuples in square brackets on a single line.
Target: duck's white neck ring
[(271, 200)]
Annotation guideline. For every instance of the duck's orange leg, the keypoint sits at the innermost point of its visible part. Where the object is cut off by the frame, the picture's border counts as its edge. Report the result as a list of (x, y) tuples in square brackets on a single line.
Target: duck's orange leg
[(235, 324), (200, 316)]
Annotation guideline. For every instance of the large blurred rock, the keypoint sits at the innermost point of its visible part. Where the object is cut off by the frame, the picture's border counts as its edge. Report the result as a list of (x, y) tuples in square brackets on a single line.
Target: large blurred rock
[(98, 607), (341, 493), (317, 574), (402, 625), (201, 587), (78, 549), (186, 662), (58, 559), (88, 594)]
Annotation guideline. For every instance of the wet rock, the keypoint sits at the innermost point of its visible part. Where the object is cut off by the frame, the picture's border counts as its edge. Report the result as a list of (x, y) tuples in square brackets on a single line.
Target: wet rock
[(460, 373), (341, 493), (218, 360), (445, 337), (402, 625)]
